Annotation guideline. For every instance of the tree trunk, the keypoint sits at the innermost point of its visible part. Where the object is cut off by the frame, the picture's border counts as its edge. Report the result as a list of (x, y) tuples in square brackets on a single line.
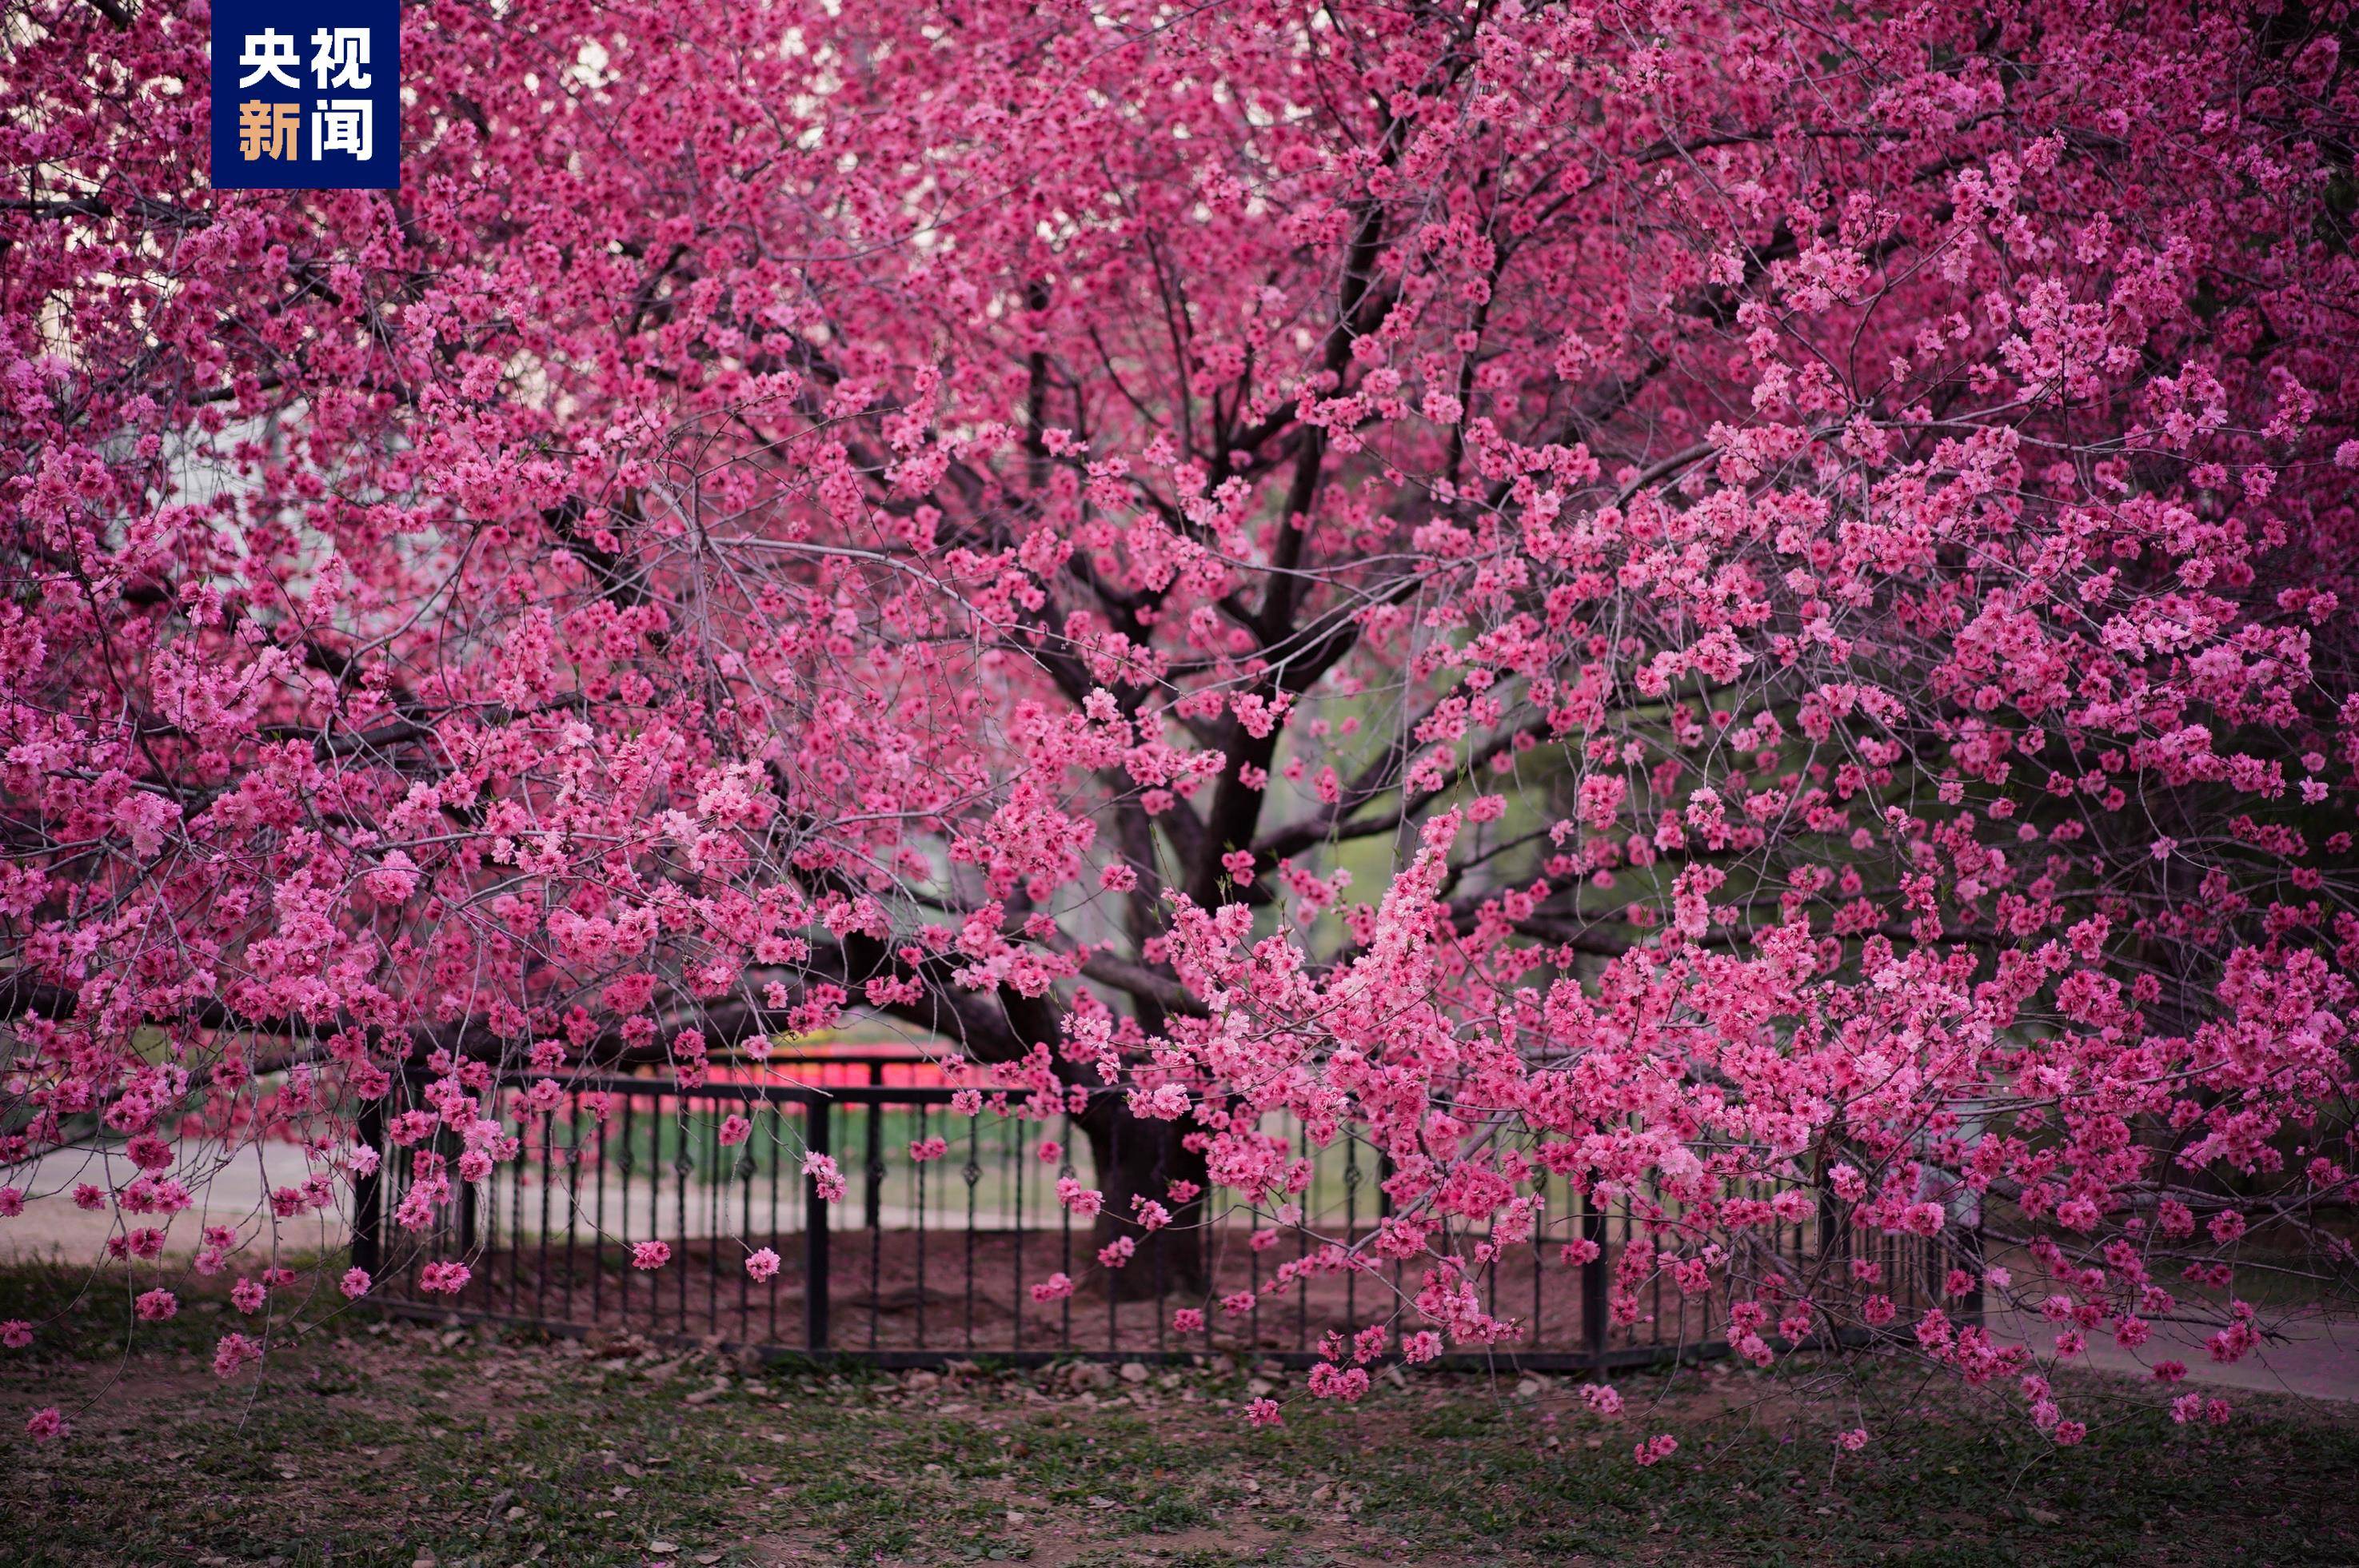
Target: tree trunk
[(1140, 1159)]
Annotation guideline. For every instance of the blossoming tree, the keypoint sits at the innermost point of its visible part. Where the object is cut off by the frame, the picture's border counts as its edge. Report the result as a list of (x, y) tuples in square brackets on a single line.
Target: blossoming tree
[(1678, 597)]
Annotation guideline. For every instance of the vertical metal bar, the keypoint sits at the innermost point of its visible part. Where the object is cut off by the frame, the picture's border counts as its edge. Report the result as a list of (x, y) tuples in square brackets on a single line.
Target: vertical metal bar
[(1253, 1264), (875, 1215), (924, 1120), (716, 1186), (572, 1197), (682, 1164), (655, 1206), (1065, 1224), (368, 1192), (516, 1225), (872, 1205), (466, 1208), (1539, 1245), (776, 1144), (744, 1172), (1016, 1267), (1594, 1274), (815, 1229), (540, 1278), (1156, 1180), (972, 1174), (1113, 1290), (655, 1203), (598, 1246)]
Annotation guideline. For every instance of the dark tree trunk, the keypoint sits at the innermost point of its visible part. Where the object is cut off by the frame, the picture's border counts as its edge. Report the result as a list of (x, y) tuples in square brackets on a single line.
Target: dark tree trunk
[(1141, 1159)]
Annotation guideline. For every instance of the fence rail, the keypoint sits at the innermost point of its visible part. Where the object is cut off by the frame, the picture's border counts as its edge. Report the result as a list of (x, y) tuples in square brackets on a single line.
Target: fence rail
[(930, 1259)]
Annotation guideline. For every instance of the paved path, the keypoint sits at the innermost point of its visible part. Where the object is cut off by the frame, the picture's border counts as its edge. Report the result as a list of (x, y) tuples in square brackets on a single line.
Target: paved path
[(235, 1193), (2317, 1358)]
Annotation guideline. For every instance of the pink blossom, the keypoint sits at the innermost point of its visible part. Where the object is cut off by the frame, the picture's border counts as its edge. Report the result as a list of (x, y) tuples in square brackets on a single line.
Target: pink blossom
[(762, 1263), (1328, 1381), (234, 1351), (650, 1255), (822, 1171)]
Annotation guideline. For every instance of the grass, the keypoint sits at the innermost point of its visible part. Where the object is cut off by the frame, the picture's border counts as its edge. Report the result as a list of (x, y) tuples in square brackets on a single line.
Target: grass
[(373, 1443)]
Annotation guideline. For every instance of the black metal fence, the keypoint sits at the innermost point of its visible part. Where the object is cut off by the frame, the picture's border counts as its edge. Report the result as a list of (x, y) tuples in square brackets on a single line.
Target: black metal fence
[(935, 1249)]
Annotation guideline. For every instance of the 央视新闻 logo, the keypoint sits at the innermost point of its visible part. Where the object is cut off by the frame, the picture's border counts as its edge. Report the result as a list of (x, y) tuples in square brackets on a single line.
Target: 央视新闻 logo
[(306, 97)]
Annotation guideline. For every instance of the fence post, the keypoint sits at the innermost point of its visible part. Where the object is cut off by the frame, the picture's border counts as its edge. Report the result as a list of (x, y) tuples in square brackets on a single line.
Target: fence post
[(368, 1193), (815, 1259), (872, 1166), (1593, 1274), (466, 1217)]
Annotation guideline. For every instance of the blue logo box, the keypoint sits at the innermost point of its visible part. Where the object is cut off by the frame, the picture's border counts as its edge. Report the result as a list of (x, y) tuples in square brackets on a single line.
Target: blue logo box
[(307, 97)]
